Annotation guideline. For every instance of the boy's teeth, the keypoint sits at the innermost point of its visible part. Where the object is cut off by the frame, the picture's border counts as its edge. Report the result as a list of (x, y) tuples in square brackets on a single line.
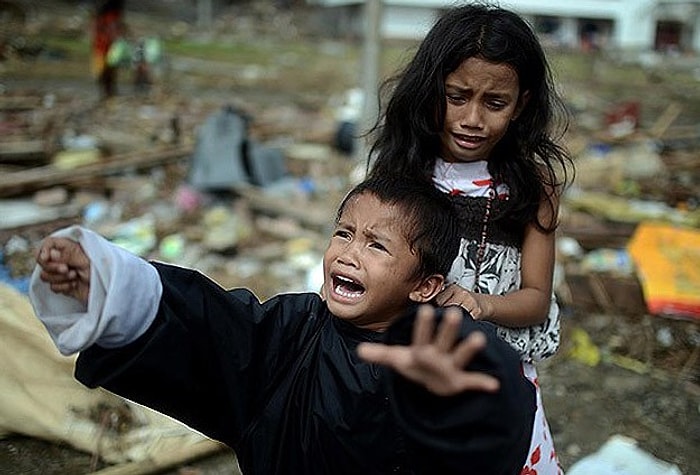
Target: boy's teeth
[(341, 291)]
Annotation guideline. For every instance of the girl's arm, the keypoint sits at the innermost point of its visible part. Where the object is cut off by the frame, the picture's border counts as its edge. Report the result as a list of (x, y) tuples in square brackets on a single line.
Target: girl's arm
[(530, 304)]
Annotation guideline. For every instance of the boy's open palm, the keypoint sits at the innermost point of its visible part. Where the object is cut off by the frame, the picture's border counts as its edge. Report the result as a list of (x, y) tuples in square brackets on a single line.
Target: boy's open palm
[(435, 359), (65, 267)]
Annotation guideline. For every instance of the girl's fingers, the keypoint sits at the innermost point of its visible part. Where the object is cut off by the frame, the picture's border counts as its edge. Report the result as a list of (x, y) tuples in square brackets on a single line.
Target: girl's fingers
[(446, 296)]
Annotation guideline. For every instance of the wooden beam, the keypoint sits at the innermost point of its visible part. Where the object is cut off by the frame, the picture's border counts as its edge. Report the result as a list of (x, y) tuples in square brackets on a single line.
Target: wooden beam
[(318, 216), (20, 103), (33, 179)]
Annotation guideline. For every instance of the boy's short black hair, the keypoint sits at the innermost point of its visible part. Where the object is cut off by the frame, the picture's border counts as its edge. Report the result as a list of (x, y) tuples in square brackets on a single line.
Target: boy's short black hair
[(429, 219)]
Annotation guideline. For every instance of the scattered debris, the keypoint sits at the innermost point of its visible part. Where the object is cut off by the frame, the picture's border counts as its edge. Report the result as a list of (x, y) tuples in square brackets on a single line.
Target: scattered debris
[(620, 455)]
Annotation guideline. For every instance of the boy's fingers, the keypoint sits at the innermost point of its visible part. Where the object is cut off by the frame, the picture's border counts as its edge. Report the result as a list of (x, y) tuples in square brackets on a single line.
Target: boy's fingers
[(62, 287), (48, 250), (44, 254), (53, 277), (56, 271), (380, 354), (55, 254), (472, 381), (424, 325), (468, 348), (371, 352), (62, 256), (53, 266), (71, 252), (448, 331)]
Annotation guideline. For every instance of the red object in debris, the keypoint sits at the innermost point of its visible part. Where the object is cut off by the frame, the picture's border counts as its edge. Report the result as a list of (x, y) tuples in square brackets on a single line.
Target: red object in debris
[(627, 112)]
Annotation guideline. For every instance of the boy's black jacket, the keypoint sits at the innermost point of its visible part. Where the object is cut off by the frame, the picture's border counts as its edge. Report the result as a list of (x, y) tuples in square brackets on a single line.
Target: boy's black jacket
[(280, 382)]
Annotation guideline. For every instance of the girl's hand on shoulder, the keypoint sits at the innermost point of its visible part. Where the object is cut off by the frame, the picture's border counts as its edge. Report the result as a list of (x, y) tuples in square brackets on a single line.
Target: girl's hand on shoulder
[(65, 267), (453, 294), (436, 358)]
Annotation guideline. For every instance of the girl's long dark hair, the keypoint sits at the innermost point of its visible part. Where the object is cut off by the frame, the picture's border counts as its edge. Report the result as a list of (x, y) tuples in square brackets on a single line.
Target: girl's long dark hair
[(528, 159)]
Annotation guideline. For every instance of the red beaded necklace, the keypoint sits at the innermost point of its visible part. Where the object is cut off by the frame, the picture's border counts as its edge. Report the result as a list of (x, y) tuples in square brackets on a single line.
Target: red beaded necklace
[(481, 250), (454, 190)]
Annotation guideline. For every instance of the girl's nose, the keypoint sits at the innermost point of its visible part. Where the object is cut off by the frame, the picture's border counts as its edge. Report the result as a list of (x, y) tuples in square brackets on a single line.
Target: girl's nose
[(471, 115)]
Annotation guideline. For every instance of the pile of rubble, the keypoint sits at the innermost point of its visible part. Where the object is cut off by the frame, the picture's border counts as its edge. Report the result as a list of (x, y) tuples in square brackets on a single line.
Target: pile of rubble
[(203, 187)]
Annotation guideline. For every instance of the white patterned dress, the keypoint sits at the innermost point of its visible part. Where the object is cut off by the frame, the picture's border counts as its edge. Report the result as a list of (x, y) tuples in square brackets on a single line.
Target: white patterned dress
[(470, 186)]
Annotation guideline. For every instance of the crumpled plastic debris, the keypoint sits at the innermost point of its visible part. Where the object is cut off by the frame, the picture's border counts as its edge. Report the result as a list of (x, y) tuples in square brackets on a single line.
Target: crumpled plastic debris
[(620, 455), (583, 349)]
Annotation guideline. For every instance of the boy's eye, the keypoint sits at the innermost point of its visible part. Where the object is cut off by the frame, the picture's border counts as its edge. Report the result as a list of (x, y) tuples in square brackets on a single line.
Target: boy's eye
[(376, 245), (342, 233)]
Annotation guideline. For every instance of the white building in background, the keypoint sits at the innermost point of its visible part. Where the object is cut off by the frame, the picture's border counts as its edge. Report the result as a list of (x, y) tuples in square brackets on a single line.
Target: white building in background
[(662, 25)]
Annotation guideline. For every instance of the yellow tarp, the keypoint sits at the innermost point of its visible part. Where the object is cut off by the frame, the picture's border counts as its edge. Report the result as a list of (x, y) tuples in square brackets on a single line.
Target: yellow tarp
[(668, 266), (41, 398)]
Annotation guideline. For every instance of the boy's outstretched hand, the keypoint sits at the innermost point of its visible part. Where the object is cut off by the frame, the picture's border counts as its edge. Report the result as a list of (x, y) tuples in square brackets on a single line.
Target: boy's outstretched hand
[(435, 359), (65, 267)]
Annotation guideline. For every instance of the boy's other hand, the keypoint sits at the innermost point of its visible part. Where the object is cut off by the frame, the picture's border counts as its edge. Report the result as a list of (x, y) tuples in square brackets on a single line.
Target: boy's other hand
[(435, 358), (65, 267)]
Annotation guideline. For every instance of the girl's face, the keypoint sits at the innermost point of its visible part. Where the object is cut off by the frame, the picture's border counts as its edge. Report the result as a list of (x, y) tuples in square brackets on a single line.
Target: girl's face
[(482, 99), (369, 266)]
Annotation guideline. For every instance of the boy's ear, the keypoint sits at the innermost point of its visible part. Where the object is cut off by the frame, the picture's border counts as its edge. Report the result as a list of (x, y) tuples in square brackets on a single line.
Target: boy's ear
[(427, 288)]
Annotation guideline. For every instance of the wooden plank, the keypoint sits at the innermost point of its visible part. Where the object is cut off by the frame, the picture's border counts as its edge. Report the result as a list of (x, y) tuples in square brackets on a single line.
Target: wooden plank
[(30, 180), (20, 103), (20, 150), (661, 125), (318, 216)]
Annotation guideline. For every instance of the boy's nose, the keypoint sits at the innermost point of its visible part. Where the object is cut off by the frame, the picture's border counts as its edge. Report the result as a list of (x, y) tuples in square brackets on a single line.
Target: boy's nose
[(350, 256)]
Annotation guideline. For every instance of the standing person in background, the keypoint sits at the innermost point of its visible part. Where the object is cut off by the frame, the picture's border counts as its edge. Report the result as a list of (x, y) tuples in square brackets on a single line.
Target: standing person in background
[(476, 112), (108, 26)]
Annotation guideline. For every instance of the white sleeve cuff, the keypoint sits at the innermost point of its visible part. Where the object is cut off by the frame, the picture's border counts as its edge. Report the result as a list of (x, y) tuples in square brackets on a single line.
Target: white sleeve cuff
[(125, 292)]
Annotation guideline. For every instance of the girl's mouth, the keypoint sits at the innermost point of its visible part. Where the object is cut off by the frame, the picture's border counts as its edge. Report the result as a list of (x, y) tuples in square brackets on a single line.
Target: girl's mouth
[(468, 141)]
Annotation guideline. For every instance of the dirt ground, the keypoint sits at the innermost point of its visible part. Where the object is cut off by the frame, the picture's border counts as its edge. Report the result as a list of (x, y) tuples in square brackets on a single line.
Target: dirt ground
[(646, 386)]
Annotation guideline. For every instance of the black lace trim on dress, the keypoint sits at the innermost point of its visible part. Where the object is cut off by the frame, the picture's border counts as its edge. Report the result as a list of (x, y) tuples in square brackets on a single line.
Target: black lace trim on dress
[(499, 230)]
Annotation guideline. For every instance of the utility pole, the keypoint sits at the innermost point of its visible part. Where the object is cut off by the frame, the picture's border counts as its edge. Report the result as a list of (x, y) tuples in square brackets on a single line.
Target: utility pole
[(371, 61), (205, 14)]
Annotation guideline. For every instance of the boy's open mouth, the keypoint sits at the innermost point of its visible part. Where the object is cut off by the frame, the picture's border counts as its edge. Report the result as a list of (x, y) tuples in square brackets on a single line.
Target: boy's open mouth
[(347, 287)]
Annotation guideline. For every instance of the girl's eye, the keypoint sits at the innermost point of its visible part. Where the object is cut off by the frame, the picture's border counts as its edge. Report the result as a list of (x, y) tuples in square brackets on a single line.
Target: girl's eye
[(455, 99), (496, 105)]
